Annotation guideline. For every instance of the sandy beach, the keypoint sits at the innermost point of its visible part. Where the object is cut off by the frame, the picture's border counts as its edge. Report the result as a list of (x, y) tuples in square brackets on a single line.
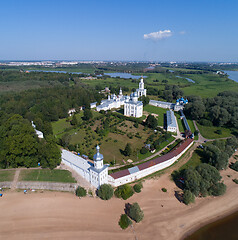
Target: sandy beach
[(58, 215)]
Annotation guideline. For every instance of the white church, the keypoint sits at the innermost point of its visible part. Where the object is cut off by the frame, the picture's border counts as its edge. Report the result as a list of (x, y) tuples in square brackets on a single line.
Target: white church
[(132, 107)]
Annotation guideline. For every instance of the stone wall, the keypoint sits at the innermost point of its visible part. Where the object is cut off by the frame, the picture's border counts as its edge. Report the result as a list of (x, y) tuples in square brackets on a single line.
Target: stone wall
[(68, 187), (5, 184)]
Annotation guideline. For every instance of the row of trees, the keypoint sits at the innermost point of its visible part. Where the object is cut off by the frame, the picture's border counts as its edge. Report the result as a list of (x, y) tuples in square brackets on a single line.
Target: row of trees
[(221, 110), (20, 146)]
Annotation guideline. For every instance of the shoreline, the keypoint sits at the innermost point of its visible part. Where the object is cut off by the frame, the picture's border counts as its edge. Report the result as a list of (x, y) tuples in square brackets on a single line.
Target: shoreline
[(208, 221)]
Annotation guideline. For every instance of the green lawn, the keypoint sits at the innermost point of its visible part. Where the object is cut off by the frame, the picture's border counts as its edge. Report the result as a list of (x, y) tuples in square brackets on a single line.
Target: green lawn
[(159, 111), (7, 175), (210, 132), (47, 175), (195, 160)]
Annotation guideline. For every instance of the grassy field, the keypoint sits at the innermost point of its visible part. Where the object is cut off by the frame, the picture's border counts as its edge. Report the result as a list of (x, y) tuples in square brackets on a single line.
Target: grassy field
[(210, 132), (195, 160), (156, 110), (7, 175), (46, 175)]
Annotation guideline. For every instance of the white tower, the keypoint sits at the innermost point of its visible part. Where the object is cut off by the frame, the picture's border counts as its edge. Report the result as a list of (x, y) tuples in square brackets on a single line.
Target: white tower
[(120, 92), (141, 84), (98, 159)]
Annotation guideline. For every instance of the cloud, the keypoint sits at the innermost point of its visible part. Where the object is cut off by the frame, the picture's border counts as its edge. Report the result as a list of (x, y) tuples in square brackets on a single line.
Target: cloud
[(158, 35)]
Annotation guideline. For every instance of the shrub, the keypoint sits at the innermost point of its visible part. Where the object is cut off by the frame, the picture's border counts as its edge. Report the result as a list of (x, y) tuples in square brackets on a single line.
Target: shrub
[(135, 212), (188, 197), (235, 181), (218, 189), (137, 187), (234, 166), (124, 221), (80, 192), (164, 189), (144, 150), (124, 191), (105, 191)]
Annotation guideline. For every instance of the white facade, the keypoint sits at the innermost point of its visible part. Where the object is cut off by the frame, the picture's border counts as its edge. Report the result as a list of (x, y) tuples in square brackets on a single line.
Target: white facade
[(135, 173), (96, 174), (133, 108), (141, 91), (171, 121), (93, 105)]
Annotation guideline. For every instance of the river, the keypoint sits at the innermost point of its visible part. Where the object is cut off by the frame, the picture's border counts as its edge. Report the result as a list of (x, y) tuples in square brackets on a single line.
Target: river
[(233, 75), (223, 229)]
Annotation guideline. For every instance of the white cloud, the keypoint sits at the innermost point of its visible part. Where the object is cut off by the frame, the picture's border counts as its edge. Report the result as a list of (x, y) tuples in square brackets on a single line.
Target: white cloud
[(158, 35)]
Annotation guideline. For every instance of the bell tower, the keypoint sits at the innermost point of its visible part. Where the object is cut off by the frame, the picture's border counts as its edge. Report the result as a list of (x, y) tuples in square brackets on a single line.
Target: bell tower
[(98, 159)]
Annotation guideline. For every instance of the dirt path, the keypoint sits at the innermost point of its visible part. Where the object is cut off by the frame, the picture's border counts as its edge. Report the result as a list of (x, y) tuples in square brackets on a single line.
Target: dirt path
[(15, 180)]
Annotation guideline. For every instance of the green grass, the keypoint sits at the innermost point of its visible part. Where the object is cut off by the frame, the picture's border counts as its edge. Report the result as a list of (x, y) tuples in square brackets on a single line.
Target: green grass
[(195, 160), (7, 175), (159, 111), (47, 175), (210, 132)]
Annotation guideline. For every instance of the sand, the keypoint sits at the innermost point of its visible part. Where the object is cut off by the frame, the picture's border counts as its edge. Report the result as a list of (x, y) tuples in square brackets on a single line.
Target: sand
[(58, 215)]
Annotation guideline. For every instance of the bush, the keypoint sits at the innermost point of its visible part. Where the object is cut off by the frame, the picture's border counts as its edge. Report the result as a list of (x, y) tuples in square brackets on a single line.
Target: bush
[(135, 213), (80, 192), (124, 191), (137, 187), (218, 189), (164, 189), (205, 122), (144, 150), (234, 166), (235, 181), (124, 221), (188, 197), (105, 191)]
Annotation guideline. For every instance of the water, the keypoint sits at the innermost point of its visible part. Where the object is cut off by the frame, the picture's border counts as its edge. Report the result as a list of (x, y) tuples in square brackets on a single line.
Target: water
[(123, 75), (188, 79), (54, 71), (223, 229), (233, 75)]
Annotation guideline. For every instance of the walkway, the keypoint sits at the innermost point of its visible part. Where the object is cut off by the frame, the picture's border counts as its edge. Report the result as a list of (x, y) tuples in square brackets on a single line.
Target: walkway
[(15, 180)]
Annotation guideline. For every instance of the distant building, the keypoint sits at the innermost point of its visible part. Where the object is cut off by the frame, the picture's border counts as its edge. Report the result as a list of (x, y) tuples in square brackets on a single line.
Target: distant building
[(171, 121), (133, 107), (141, 91), (71, 112), (180, 103), (93, 105)]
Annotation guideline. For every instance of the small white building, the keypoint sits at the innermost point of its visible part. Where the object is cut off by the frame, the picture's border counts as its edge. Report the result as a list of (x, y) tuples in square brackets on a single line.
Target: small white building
[(96, 174), (141, 91), (93, 105), (133, 108), (171, 121), (71, 111)]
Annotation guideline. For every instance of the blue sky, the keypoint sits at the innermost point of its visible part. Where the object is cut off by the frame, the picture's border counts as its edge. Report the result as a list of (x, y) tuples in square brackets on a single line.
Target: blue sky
[(198, 30)]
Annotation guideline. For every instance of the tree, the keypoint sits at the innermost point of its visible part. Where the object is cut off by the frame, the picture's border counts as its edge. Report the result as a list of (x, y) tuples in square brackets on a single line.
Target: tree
[(218, 189), (234, 166), (135, 212), (74, 120), (127, 151), (188, 197), (80, 192), (124, 221), (137, 187), (124, 191), (87, 114), (151, 121), (105, 191), (145, 100)]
